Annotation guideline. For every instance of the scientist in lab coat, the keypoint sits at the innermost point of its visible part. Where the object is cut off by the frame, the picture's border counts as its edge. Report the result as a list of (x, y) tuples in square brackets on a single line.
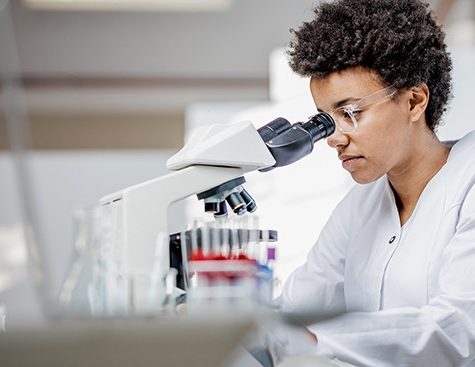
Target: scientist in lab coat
[(398, 252)]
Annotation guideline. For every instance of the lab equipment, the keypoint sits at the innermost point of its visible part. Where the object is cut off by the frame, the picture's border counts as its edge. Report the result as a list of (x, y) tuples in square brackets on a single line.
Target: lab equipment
[(181, 245), (74, 293), (219, 263), (211, 165)]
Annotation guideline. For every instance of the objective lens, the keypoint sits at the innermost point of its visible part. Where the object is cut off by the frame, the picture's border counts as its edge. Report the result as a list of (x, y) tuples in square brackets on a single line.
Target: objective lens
[(236, 202), (211, 207), (240, 211), (250, 203), (222, 210)]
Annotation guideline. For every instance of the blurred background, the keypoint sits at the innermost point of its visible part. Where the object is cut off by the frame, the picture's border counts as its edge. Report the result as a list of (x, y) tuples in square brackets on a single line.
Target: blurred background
[(98, 94)]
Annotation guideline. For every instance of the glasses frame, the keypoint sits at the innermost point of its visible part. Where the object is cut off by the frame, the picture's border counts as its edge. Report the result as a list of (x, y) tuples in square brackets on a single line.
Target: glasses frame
[(356, 106)]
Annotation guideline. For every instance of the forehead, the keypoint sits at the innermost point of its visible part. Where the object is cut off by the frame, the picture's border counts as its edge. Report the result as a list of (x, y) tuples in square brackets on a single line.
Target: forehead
[(352, 83)]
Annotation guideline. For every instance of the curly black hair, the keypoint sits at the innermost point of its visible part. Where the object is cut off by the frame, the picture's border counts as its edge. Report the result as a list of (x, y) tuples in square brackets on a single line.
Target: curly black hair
[(398, 39)]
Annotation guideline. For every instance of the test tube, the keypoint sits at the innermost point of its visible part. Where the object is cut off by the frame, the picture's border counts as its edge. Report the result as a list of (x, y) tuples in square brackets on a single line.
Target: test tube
[(194, 238), (265, 246), (226, 239), (244, 226), (235, 245), (205, 239), (184, 259), (215, 238), (254, 239)]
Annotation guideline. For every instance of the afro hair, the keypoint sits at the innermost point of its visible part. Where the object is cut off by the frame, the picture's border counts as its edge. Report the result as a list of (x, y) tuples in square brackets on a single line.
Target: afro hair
[(398, 39)]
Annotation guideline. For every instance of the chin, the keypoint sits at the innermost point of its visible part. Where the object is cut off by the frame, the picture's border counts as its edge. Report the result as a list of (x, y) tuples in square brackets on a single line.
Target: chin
[(363, 180)]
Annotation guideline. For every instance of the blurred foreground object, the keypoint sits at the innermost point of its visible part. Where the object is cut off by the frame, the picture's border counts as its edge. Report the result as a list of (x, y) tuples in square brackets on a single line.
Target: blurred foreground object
[(180, 342)]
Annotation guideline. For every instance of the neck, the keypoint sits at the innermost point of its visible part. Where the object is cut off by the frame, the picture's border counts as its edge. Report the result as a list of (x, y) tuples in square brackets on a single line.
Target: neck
[(411, 177)]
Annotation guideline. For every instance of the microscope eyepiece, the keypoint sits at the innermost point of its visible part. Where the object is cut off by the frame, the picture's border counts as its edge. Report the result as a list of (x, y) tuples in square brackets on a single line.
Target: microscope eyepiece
[(274, 128), (287, 143), (296, 141), (320, 126)]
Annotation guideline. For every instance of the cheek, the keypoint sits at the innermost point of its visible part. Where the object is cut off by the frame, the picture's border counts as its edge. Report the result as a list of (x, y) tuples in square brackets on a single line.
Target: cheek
[(385, 136), (383, 150), (379, 155), (381, 142)]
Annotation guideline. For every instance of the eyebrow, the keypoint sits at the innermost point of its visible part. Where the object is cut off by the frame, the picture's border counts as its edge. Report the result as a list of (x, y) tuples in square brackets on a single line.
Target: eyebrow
[(344, 102), (338, 104)]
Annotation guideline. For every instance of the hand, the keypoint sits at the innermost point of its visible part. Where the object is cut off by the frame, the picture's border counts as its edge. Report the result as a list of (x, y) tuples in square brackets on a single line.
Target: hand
[(286, 341)]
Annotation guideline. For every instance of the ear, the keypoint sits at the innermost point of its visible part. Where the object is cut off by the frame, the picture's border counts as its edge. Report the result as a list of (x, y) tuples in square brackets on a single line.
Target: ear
[(418, 100)]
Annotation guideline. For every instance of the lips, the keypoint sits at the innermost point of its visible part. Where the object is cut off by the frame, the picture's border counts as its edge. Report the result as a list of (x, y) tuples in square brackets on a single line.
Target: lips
[(345, 157), (350, 162)]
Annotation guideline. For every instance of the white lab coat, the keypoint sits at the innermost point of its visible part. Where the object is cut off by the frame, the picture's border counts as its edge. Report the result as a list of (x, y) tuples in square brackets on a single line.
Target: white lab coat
[(409, 292)]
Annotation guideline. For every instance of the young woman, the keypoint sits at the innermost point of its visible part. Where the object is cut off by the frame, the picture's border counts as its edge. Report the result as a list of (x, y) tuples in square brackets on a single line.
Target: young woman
[(398, 253)]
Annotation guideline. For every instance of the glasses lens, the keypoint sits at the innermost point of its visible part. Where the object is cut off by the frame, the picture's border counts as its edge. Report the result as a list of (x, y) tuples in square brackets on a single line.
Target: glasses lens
[(346, 116), (344, 119)]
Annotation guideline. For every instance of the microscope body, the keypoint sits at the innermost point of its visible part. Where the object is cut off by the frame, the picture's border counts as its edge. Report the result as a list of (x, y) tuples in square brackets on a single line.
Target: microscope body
[(139, 213), (210, 165)]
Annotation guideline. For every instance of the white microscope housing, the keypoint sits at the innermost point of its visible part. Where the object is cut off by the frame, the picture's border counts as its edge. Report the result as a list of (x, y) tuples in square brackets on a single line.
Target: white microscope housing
[(211, 165), (214, 155)]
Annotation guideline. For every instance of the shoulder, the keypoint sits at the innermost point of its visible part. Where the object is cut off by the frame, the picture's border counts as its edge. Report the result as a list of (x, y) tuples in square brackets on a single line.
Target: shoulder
[(460, 169), (463, 150), (463, 171)]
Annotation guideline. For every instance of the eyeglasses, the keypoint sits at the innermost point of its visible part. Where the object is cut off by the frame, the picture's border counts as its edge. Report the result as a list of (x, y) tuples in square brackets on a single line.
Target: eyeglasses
[(346, 117)]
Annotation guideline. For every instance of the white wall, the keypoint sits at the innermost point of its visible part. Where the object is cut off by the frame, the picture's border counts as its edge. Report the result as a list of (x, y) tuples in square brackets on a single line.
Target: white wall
[(229, 43), (460, 119)]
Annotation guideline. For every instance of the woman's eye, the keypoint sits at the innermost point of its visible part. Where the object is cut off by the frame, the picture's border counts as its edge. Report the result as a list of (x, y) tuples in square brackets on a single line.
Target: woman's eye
[(348, 114)]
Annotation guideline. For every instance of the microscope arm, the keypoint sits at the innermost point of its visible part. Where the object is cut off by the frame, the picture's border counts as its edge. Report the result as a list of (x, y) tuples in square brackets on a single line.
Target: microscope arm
[(142, 210)]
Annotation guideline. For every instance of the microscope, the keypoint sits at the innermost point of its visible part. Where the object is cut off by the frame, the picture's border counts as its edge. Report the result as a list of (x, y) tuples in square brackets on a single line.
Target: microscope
[(212, 166)]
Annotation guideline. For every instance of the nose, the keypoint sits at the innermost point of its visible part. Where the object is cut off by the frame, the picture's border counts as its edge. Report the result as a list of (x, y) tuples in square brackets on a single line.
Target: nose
[(338, 139)]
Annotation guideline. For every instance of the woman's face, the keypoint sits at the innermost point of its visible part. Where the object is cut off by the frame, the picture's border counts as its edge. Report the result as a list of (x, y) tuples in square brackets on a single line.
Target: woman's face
[(381, 142)]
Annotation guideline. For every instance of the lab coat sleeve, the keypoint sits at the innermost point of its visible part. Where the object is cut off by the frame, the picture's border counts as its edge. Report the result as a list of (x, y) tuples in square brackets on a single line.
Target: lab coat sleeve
[(318, 284), (442, 333)]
